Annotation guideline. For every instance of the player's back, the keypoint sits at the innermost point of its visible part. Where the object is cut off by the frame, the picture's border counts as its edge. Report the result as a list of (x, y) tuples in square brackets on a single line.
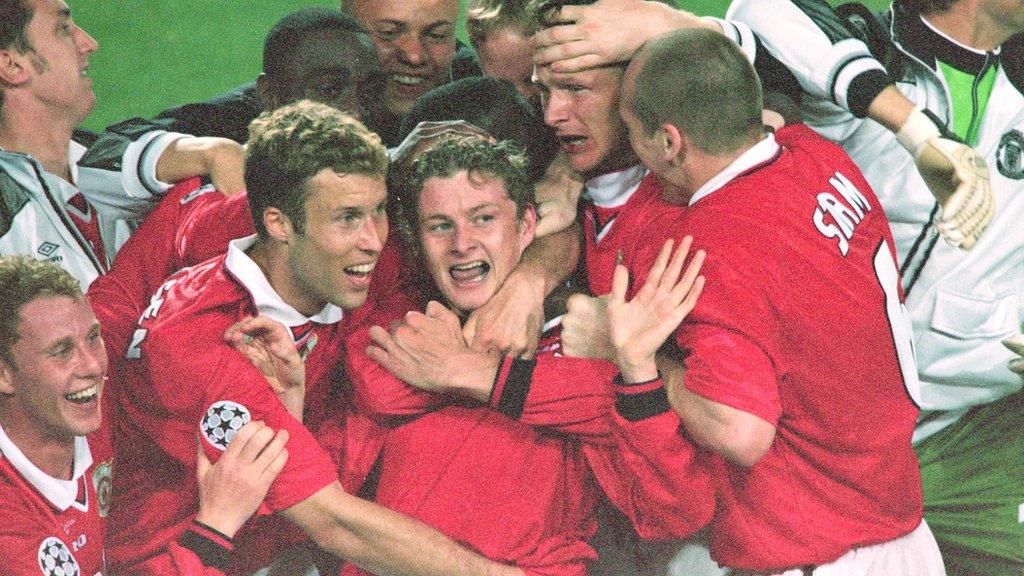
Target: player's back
[(800, 266)]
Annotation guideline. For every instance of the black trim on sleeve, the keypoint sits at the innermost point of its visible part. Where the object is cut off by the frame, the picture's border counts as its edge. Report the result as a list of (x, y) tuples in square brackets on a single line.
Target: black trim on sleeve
[(209, 552), (864, 89), (775, 76), (634, 407), (517, 388)]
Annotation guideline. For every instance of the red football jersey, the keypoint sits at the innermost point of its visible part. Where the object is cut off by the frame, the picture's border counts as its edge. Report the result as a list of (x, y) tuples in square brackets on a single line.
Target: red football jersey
[(53, 526), (801, 324), (179, 381)]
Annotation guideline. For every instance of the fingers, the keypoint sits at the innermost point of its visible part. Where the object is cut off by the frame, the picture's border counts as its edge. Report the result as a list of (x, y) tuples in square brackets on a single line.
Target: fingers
[(658, 268), (687, 282), (254, 442), (620, 283), (675, 266), (202, 462), (272, 457), (469, 329), (442, 314)]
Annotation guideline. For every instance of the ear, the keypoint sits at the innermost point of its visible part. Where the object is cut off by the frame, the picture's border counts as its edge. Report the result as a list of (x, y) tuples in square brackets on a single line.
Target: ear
[(278, 224), (265, 92), (527, 227), (6, 378), (13, 67), (673, 143)]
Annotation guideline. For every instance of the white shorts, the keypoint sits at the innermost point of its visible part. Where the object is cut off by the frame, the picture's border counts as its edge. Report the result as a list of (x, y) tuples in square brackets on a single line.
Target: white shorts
[(914, 554)]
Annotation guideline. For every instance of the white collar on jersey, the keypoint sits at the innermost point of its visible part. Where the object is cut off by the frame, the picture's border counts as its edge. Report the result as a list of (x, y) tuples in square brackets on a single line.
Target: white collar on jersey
[(267, 300), (757, 154), (61, 493), (615, 189)]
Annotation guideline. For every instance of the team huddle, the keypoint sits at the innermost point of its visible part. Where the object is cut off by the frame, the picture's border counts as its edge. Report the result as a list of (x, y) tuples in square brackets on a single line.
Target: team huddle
[(619, 289)]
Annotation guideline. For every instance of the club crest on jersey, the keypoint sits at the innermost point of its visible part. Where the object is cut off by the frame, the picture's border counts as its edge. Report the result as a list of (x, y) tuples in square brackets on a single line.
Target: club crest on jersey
[(102, 484), (55, 559), (222, 421), (1010, 155)]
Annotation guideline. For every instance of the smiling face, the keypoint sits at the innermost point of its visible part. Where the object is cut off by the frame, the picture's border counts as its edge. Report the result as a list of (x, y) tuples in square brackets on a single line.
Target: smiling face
[(471, 236), (345, 229), (583, 109), (416, 43), (52, 386), (58, 59)]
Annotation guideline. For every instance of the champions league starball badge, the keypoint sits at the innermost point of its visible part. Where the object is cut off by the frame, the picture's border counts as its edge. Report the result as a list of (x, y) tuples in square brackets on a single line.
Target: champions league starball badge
[(222, 421), (56, 560)]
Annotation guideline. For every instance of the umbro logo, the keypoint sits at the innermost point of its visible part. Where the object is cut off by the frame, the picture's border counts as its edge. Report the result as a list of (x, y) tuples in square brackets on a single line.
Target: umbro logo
[(47, 249)]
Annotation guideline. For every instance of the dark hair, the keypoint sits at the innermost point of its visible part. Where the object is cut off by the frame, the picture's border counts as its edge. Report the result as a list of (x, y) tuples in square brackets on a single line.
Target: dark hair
[(700, 82), (286, 35), (14, 18), (927, 6), (22, 280), (291, 144), (494, 106), (481, 158)]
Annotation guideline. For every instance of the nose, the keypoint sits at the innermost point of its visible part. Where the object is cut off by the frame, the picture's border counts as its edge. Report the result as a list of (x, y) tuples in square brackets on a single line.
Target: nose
[(463, 240), (411, 50), (555, 108), (85, 43), (374, 233), (93, 360)]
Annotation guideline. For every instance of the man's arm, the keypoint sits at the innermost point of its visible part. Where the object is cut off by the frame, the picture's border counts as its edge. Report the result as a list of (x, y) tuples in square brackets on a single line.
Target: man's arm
[(221, 159), (511, 320), (385, 542)]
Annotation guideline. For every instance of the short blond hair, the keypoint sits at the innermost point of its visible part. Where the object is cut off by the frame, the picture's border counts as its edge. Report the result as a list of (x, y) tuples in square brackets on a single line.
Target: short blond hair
[(22, 280)]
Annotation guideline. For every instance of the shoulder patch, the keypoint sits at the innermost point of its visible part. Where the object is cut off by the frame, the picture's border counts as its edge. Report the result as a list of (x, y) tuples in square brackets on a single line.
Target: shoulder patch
[(55, 558), (102, 484), (205, 189), (222, 421)]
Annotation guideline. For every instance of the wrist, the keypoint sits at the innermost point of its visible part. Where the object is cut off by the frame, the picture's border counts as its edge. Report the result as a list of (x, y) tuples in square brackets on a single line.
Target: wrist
[(637, 371), (916, 130), (476, 376), (222, 524)]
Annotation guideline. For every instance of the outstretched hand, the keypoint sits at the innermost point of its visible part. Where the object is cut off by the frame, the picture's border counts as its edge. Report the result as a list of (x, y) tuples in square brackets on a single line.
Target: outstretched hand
[(639, 327)]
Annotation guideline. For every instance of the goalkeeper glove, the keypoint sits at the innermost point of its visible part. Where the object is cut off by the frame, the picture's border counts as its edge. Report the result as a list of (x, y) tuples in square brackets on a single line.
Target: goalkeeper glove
[(956, 175)]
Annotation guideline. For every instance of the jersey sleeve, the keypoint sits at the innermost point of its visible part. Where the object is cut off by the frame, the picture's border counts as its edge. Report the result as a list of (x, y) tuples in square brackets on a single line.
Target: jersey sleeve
[(810, 39), (117, 173), (570, 395), (731, 338), (233, 393), (651, 471), (205, 231)]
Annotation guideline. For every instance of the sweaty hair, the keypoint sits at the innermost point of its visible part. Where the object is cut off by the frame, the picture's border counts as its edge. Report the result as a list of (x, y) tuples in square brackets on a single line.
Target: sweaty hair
[(700, 82), (22, 280), (291, 144), (480, 158), (14, 18), (495, 107), (539, 14), (287, 34)]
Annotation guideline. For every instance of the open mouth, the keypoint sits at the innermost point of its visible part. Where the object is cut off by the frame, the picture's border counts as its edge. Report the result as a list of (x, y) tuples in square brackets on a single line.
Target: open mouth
[(572, 143), (411, 81), (360, 270), (83, 396), (469, 272)]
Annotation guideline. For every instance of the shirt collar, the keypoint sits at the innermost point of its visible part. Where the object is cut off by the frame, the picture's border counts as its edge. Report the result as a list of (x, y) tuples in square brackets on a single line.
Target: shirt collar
[(266, 299), (61, 493), (759, 153), (615, 189)]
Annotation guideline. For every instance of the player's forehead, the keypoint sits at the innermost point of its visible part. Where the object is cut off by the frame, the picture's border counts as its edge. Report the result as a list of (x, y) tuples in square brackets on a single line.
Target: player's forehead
[(46, 320), (462, 194), (330, 190), (603, 79), (411, 13)]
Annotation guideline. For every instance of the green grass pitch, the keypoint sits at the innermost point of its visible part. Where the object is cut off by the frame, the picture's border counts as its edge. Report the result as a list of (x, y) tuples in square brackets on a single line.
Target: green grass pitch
[(155, 54)]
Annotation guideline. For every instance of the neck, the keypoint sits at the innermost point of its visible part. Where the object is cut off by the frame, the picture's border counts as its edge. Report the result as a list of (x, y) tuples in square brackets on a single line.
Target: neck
[(54, 456), (30, 132), (699, 168), (272, 258), (967, 24)]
